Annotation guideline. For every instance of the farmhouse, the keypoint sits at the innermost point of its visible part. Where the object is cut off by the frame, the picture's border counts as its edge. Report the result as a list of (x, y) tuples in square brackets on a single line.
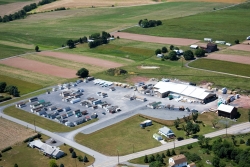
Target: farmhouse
[(178, 161), (165, 131), (163, 89), (46, 149), (227, 111)]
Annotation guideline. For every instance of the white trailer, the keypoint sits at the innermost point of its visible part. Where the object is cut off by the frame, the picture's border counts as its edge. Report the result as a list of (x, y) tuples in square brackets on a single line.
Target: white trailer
[(208, 39)]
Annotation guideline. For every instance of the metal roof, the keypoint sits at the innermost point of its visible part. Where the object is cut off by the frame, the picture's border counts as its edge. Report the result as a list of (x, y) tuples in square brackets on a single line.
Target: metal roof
[(225, 108)]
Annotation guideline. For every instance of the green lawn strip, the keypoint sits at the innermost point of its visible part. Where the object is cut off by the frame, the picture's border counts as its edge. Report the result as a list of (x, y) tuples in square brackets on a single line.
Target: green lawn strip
[(23, 86), (199, 26), (26, 156), (222, 66), (29, 76), (8, 51), (46, 32), (123, 136), (234, 52), (40, 121), (3, 2), (200, 151)]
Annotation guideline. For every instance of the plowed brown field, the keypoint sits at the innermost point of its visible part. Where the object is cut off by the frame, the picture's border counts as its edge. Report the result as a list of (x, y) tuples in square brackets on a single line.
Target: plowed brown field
[(154, 39), (231, 58), (39, 67)]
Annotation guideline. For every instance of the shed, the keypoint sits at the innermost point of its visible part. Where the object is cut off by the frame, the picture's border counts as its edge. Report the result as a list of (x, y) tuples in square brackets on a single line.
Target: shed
[(194, 46), (157, 137), (227, 111), (165, 131), (212, 47), (208, 39)]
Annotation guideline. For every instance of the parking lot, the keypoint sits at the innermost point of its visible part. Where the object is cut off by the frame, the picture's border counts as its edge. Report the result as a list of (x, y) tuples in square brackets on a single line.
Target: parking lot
[(117, 97)]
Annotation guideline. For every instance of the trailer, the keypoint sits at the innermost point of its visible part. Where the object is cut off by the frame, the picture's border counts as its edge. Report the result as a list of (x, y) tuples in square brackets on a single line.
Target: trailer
[(76, 100), (208, 39), (33, 99)]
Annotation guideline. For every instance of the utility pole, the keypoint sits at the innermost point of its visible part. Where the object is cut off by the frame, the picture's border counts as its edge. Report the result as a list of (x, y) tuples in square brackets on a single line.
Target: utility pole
[(35, 124), (118, 156), (133, 148), (181, 61)]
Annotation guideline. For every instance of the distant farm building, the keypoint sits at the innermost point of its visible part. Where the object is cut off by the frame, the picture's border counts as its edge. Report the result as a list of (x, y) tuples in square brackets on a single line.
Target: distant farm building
[(211, 47), (208, 39), (194, 46), (178, 161), (165, 131), (227, 111), (163, 89)]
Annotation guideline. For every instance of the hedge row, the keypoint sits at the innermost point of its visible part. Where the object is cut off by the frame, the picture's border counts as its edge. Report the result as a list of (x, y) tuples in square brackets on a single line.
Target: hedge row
[(38, 135), (6, 149), (5, 98)]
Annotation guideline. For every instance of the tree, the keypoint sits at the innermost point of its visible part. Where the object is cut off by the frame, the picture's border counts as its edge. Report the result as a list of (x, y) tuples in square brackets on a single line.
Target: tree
[(85, 39), (73, 154), (177, 123), (163, 155), (37, 49), (172, 55), (188, 55), (71, 149), (2, 86), (237, 41), (191, 128), (145, 23), (5, 18), (83, 72), (52, 163), (200, 53), (171, 47), (157, 51), (216, 161), (139, 23), (214, 123), (155, 164), (15, 165), (0, 155), (164, 49), (248, 142), (168, 153), (70, 44), (61, 165), (80, 158), (207, 139), (1, 19), (12, 90), (146, 159), (158, 22), (173, 152), (195, 116), (85, 159), (201, 140), (151, 158), (249, 115)]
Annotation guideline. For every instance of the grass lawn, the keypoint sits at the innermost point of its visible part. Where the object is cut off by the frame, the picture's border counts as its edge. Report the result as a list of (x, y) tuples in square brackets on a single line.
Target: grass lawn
[(199, 151), (216, 25), (26, 156), (222, 66), (125, 136), (2, 2), (40, 121), (23, 86), (8, 51)]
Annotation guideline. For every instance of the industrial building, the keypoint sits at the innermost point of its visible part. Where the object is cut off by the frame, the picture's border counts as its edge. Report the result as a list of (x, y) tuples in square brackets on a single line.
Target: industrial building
[(163, 89)]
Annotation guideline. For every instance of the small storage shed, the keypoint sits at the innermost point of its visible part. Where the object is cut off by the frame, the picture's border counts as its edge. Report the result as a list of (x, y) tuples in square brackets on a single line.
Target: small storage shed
[(227, 111), (212, 47)]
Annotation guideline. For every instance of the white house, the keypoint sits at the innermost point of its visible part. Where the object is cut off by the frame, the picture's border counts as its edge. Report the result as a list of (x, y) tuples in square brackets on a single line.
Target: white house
[(51, 151), (165, 131), (177, 161)]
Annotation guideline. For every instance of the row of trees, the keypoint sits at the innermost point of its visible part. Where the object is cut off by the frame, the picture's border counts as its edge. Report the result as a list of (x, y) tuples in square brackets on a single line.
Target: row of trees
[(149, 23), (22, 13), (10, 89)]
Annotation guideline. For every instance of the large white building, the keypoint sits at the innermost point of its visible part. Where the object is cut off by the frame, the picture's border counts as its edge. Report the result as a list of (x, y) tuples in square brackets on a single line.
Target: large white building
[(163, 89)]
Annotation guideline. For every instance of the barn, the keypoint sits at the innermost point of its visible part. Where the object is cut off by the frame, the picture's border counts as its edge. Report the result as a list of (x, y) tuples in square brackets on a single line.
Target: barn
[(227, 111), (211, 47)]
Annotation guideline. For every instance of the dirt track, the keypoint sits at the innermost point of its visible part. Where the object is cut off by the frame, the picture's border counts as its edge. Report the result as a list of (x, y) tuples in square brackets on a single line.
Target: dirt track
[(231, 58), (82, 59), (244, 47), (39, 67), (154, 39)]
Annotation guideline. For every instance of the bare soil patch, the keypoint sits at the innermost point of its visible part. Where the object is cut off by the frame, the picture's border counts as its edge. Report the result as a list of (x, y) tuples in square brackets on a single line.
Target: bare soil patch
[(39, 67), (136, 79), (12, 133), (243, 101), (244, 47), (231, 58), (154, 39), (223, 1), (83, 59), (95, 3)]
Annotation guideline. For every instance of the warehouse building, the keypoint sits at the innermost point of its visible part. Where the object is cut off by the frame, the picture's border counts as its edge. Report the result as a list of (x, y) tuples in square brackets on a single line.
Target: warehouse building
[(163, 89)]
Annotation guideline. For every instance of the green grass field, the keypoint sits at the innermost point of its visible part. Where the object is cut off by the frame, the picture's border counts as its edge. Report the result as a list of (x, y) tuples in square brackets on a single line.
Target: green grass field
[(7, 51), (26, 156), (216, 25), (42, 29), (23, 86), (222, 66), (40, 121), (3, 2)]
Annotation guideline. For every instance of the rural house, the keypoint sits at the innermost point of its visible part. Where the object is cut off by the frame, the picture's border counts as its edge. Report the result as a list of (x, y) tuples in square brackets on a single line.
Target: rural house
[(165, 131), (227, 111), (178, 161), (191, 165)]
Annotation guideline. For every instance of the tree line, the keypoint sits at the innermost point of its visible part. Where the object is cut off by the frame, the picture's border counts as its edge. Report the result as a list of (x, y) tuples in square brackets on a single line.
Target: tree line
[(22, 13), (10, 89), (149, 23)]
